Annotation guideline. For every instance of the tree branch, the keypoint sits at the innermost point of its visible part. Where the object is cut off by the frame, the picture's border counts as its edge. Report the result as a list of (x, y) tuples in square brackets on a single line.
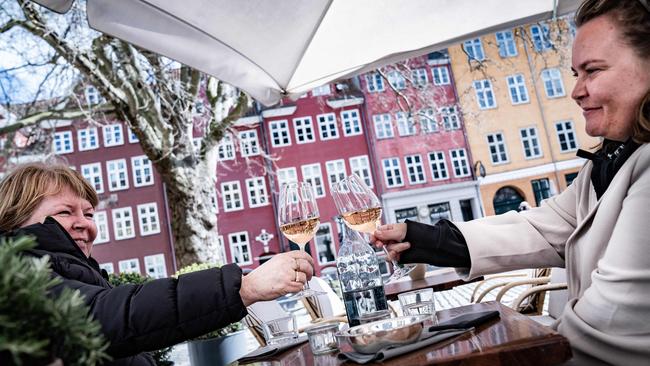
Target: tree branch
[(48, 115), (10, 24)]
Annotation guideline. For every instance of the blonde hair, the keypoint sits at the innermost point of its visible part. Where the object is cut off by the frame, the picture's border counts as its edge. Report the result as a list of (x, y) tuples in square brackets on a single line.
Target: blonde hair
[(22, 190)]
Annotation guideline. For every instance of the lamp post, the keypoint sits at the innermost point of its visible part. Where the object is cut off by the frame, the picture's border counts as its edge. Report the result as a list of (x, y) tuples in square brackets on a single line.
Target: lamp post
[(479, 170)]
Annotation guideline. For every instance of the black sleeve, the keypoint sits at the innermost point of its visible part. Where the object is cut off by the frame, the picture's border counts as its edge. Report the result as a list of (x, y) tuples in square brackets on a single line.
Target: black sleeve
[(441, 245), (164, 312)]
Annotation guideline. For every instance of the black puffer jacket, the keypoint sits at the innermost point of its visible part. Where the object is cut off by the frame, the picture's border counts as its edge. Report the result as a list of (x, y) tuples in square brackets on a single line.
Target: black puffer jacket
[(140, 318)]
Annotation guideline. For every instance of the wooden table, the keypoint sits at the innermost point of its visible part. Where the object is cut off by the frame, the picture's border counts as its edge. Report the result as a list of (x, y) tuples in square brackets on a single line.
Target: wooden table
[(440, 280), (514, 339)]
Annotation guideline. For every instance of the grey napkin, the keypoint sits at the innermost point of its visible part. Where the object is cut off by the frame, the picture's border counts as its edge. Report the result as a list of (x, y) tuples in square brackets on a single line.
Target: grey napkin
[(393, 351), (270, 350)]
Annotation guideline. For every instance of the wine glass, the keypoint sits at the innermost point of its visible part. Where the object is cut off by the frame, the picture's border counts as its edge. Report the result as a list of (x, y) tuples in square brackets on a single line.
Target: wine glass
[(361, 211), (299, 219)]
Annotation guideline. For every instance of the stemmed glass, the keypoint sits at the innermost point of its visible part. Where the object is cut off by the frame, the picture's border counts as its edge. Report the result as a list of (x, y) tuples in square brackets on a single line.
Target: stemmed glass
[(299, 219), (361, 211)]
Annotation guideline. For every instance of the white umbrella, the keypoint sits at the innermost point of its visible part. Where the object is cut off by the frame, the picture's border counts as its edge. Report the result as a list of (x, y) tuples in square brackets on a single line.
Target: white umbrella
[(275, 48)]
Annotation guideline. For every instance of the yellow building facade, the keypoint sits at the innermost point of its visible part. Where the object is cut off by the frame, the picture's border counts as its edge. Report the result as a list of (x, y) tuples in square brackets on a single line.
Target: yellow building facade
[(523, 127)]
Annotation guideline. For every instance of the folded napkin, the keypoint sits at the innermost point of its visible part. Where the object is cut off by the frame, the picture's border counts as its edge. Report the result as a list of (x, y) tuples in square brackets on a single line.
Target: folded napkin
[(467, 320), (270, 350)]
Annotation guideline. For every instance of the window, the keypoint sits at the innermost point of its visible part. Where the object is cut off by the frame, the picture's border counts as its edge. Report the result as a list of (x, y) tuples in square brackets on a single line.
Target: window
[(450, 120), (530, 142), (108, 267), (92, 95), (148, 219), (438, 165), (541, 37), (321, 90), (222, 249), (506, 43), (415, 169), (517, 88), (132, 137), (327, 126), (129, 266), (474, 49), (375, 82), (231, 196), (62, 142), (87, 139), (566, 136), (569, 178), (439, 211), (404, 214), (287, 175), (428, 121), (553, 83), (117, 176), (312, 174), (459, 162), (240, 249), (101, 221), (304, 130), (396, 80), (497, 147), (155, 265), (226, 148), (142, 171), (325, 244), (541, 189), (335, 171), (113, 135), (123, 223), (93, 174), (256, 188), (360, 165), (279, 131), (484, 94), (440, 75), (466, 209), (392, 172), (248, 144), (405, 125), (383, 126), (351, 122), (419, 77)]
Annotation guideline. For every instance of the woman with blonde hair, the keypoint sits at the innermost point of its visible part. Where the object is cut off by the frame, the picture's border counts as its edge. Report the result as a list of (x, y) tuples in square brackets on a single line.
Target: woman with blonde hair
[(598, 227), (55, 204)]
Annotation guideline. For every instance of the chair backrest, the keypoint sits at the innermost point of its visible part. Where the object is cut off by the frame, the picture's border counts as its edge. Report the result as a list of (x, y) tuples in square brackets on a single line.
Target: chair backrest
[(326, 305), (557, 299)]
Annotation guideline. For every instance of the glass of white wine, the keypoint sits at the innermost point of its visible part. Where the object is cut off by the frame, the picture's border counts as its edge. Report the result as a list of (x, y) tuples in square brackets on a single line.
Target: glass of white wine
[(361, 211), (299, 219)]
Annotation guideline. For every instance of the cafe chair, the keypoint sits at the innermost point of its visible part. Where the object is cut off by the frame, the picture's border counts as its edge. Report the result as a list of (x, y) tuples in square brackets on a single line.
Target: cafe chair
[(557, 296), (531, 305)]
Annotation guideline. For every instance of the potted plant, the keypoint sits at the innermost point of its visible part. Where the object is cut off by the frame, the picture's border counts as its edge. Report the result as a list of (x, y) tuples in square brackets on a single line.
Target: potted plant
[(219, 347)]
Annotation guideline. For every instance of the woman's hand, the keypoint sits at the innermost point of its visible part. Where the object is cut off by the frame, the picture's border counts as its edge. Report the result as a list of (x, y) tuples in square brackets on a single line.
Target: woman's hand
[(283, 274), (391, 236)]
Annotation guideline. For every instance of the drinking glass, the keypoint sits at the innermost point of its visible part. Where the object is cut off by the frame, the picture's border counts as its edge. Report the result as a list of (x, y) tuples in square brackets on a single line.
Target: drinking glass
[(418, 302), (299, 219), (281, 330), (361, 211)]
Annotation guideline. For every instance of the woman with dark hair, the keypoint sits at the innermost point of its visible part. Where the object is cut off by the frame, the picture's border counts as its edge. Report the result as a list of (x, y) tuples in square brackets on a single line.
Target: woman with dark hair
[(598, 227)]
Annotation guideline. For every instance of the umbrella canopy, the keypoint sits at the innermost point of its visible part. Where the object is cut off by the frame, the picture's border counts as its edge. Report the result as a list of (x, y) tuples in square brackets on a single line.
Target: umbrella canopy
[(275, 48)]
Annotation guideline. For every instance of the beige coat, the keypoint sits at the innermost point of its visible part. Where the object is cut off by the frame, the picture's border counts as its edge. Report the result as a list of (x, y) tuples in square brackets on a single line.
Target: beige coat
[(604, 245)]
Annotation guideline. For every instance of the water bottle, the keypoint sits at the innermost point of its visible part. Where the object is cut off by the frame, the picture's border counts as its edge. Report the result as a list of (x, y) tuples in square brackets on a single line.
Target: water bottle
[(361, 283)]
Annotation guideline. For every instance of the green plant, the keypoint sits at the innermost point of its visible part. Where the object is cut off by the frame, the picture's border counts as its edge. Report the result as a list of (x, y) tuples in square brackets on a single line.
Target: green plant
[(222, 332), (161, 356), (36, 328)]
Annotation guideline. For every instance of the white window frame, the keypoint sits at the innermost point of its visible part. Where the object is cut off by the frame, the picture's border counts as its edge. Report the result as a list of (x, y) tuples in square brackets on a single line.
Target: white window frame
[(234, 241), (336, 171), (392, 172), (360, 165), (114, 171), (415, 169), (103, 232), (484, 94), (157, 263), (438, 165), (108, 267), (257, 192), (474, 49), (62, 142), (133, 266), (140, 165), (279, 133), (123, 223), (530, 137), (303, 128), (331, 236), (113, 135), (249, 144), (312, 174), (566, 129), (440, 75), (506, 43), (132, 137), (92, 95), (286, 175), (498, 150), (517, 89), (383, 126), (94, 176), (428, 120), (231, 193), (327, 126), (321, 90), (540, 36), (405, 124), (553, 83), (374, 82), (226, 148), (420, 77), (450, 118), (396, 80), (459, 162), (351, 121), (150, 214), (86, 136)]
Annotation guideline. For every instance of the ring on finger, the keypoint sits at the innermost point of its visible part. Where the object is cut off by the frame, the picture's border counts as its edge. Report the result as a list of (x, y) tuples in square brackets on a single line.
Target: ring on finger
[(297, 264), (296, 280)]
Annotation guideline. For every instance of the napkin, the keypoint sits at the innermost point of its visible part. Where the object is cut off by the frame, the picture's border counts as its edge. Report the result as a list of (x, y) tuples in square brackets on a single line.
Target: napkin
[(270, 350)]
